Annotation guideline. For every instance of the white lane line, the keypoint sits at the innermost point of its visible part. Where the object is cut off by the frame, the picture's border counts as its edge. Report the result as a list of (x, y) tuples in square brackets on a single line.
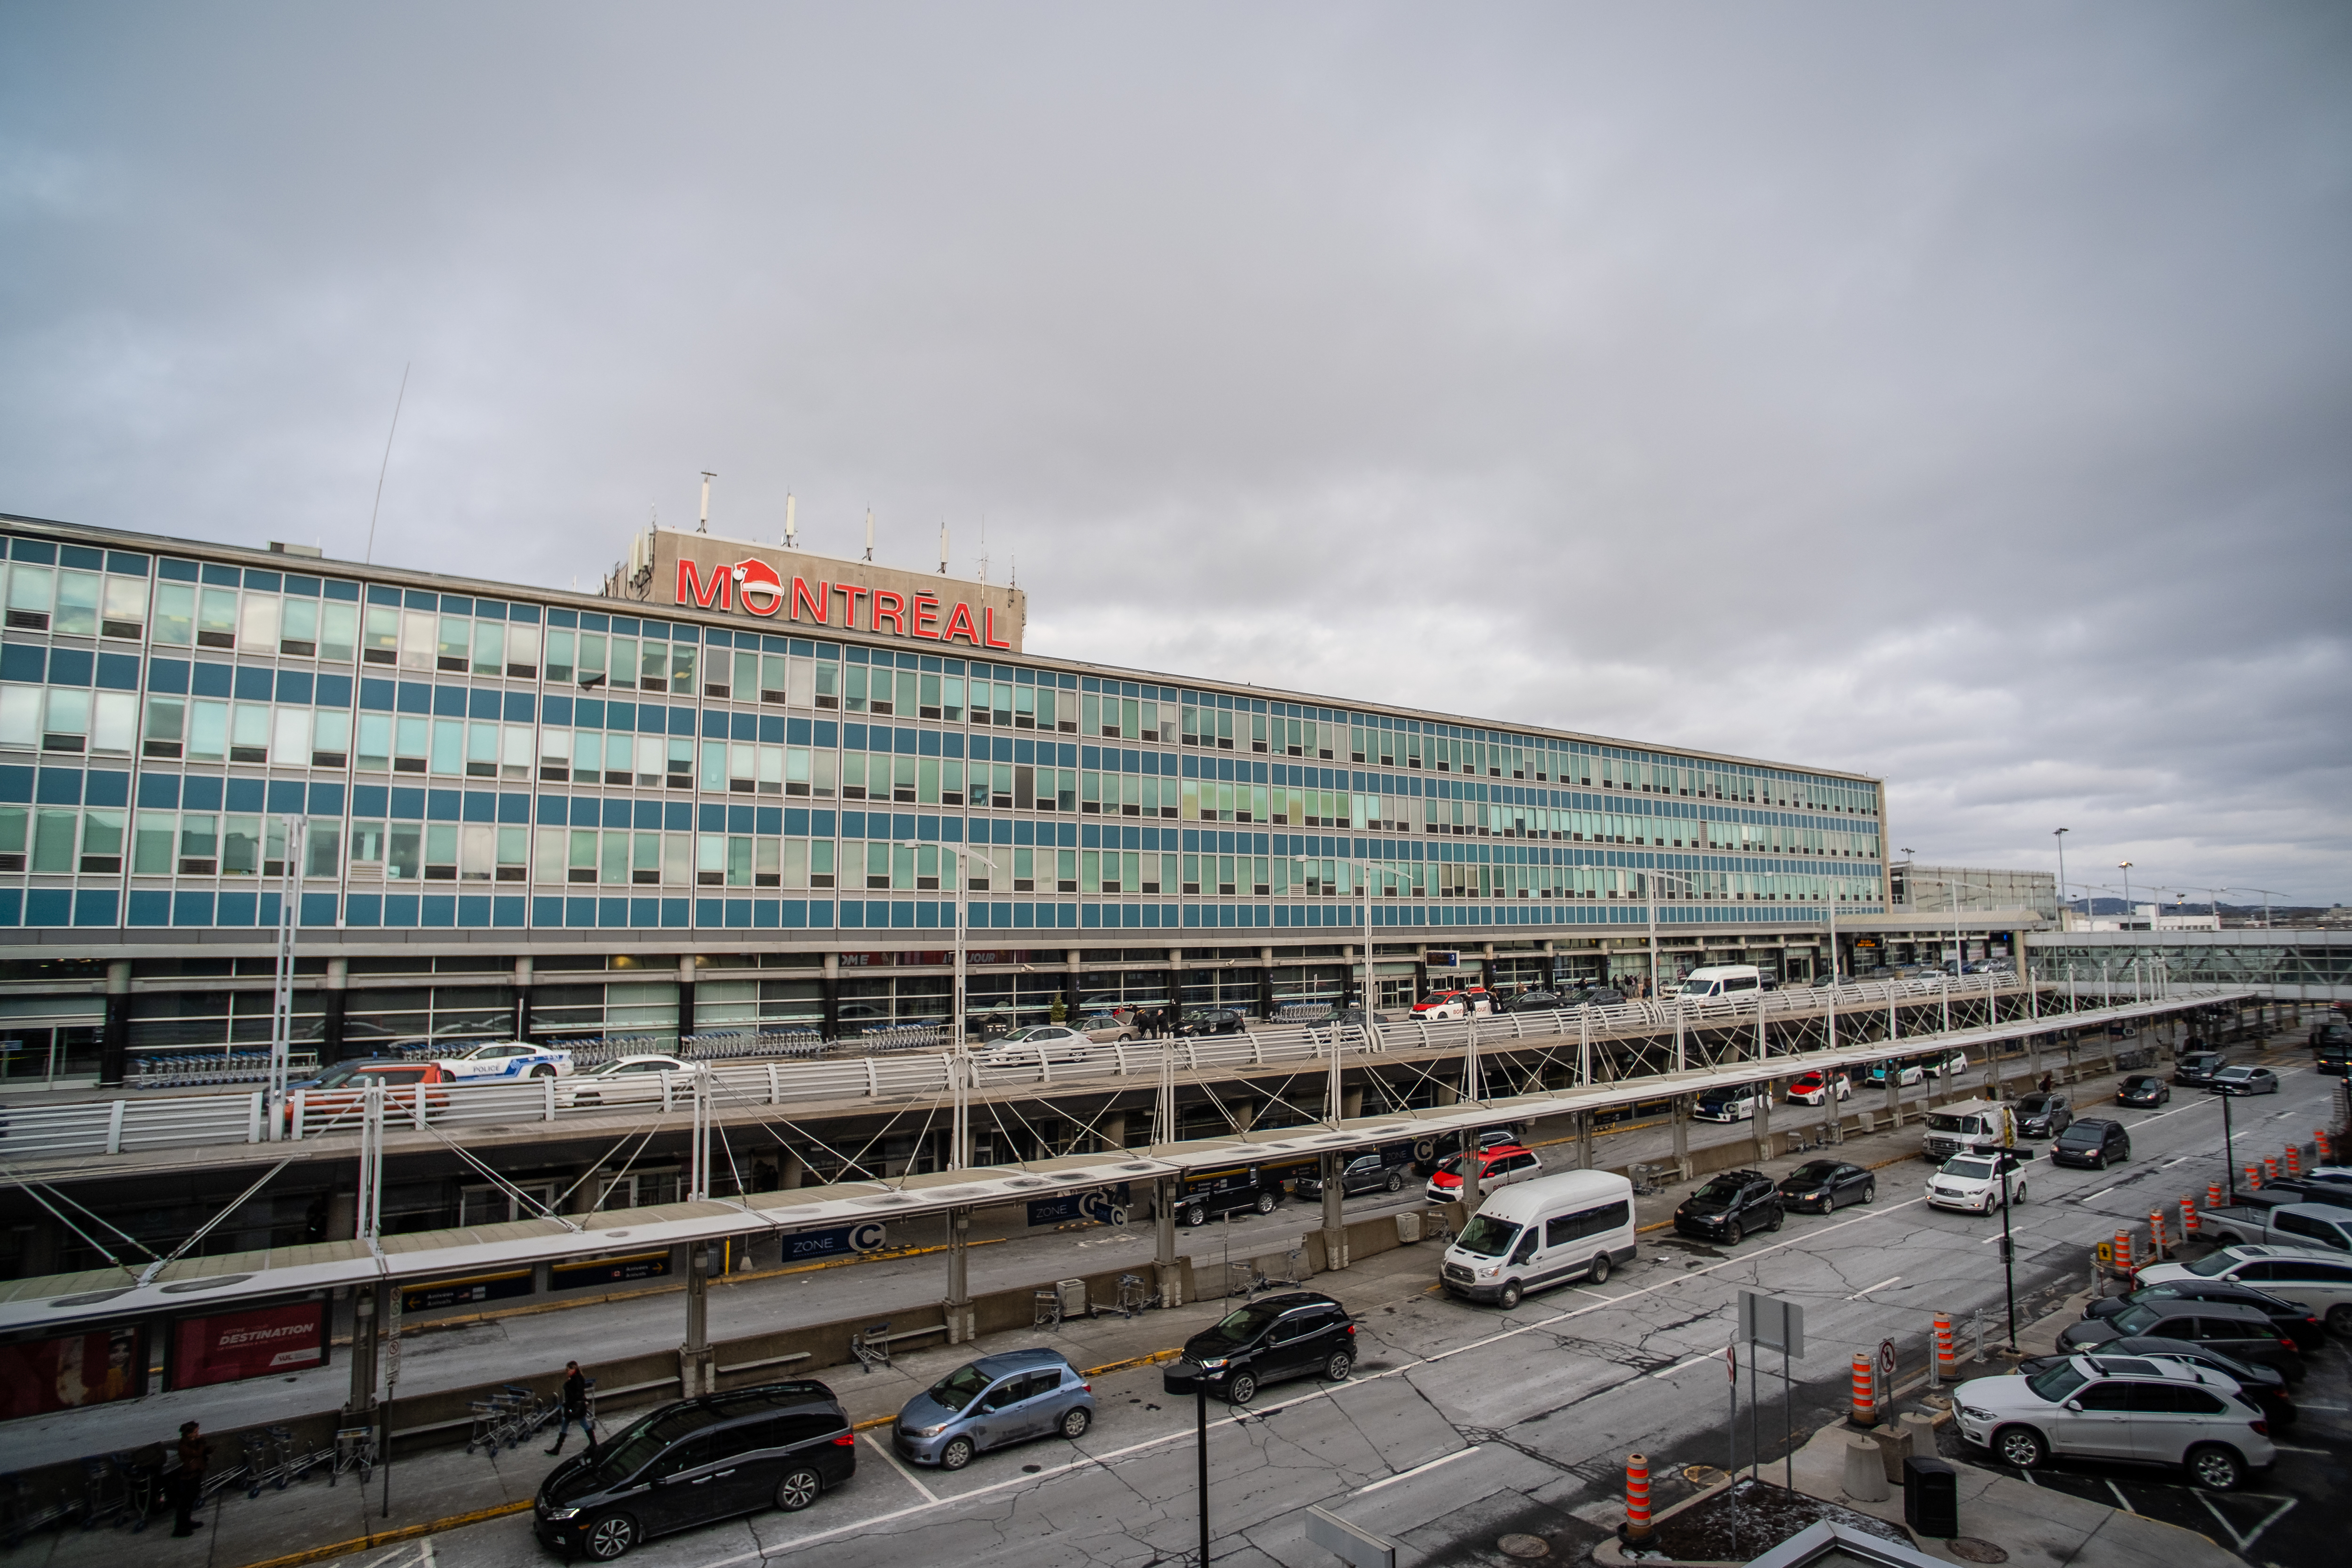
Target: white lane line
[(1417, 1470), (1980, 1241), (2122, 1501), (884, 1450), (1866, 1290), (2093, 1197), (1686, 1366)]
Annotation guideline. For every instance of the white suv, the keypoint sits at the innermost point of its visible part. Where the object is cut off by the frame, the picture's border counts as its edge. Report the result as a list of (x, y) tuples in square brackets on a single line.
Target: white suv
[(2307, 1276), (2119, 1407), (1977, 1183)]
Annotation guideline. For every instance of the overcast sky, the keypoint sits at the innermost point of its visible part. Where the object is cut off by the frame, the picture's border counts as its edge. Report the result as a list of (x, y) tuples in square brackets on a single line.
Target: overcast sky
[(1955, 394)]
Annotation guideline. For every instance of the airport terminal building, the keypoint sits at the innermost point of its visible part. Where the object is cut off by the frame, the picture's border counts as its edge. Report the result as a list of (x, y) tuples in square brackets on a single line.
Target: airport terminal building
[(725, 791)]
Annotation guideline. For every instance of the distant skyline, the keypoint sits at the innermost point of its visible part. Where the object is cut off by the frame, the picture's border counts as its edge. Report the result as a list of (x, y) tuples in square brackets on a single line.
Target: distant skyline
[(1953, 393)]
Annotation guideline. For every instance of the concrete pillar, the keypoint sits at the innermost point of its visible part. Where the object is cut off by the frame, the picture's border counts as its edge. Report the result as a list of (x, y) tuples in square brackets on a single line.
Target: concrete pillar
[(1111, 1130), (1764, 1120), (343, 1215), (1351, 1103), (114, 1041), (1679, 1114), (794, 1168), (365, 1305), (523, 984), (587, 1187), (829, 988), (685, 995), (1071, 959), (1584, 1139), (1266, 983), (1893, 1087), (961, 1324), (1334, 1228), (335, 1007), (1170, 1273), (694, 1358), (1447, 1094)]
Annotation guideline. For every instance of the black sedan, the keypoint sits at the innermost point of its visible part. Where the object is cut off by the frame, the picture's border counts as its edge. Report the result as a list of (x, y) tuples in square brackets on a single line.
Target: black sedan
[(2264, 1385), (2291, 1319), (2092, 1144), (1821, 1187), (1212, 1021), (2143, 1088), (1364, 1173), (2245, 1080), (2196, 1068), (1536, 1002)]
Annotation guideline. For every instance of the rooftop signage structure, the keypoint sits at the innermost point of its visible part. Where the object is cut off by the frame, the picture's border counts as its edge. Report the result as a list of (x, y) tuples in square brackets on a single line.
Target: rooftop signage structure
[(707, 571)]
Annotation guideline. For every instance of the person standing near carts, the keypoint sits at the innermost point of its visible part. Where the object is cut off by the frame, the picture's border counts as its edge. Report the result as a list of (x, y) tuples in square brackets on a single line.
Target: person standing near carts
[(187, 1482)]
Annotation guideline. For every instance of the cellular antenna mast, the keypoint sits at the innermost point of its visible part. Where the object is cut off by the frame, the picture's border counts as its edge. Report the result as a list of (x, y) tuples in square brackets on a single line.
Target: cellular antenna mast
[(704, 526), (386, 466), (869, 533), (943, 547), (791, 524), (983, 550)]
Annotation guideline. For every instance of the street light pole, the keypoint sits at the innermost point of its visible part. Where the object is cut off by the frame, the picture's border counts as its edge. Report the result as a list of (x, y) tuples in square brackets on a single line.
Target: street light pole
[(2063, 908), (2125, 866)]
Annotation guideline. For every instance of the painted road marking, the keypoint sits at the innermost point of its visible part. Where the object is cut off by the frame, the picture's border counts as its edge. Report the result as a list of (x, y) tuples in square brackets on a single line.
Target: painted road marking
[(1416, 1470)]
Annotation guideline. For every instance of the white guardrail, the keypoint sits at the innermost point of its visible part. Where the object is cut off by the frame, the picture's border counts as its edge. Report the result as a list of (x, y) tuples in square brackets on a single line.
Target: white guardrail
[(126, 1124)]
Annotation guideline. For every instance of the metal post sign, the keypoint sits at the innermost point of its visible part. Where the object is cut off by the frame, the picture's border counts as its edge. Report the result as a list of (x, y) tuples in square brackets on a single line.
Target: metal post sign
[(1773, 1323)]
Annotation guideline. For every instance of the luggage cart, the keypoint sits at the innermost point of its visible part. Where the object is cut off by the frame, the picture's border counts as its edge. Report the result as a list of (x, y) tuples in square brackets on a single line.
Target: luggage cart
[(354, 1454), (20, 1515)]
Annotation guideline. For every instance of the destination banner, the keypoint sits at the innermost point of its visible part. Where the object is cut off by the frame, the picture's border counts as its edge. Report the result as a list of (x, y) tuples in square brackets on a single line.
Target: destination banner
[(228, 1347)]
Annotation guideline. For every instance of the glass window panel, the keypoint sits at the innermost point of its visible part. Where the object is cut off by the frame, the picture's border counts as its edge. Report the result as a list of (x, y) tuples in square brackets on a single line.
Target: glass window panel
[(403, 860), (152, 843), (290, 745), (125, 608), (258, 626), (489, 647), (338, 630), (175, 613)]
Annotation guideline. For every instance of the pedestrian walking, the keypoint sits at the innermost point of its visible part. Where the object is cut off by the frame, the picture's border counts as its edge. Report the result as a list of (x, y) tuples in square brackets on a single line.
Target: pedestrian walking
[(576, 1408), (2048, 1083), (187, 1482)]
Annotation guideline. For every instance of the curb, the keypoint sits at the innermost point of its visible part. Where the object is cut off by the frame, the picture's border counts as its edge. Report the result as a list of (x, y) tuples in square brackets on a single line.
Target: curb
[(382, 1537)]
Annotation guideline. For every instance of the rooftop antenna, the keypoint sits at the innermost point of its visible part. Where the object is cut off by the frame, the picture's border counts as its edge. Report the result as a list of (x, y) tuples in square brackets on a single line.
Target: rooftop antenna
[(791, 523), (704, 526), (943, 547), (983, 550), (386, 467), (869, 533), (1016, 569)]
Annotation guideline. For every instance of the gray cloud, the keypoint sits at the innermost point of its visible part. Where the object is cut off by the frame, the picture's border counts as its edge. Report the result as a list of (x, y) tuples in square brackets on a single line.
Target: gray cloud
[(1956, 394)]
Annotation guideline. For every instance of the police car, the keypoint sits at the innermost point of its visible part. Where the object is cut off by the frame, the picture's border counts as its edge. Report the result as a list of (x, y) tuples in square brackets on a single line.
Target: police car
[(507, 1059)]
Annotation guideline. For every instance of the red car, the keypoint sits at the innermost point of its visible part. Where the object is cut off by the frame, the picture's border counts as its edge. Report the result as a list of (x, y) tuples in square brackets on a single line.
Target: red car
[(1498, 1166), (1816, 1086), (334, 1100)]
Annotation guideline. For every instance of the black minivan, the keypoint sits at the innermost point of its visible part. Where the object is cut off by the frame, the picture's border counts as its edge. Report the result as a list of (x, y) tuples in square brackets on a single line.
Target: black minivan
[(780, 1445)]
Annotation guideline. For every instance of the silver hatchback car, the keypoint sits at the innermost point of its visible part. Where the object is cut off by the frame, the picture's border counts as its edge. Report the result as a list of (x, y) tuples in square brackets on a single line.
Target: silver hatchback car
[(993, 1402)]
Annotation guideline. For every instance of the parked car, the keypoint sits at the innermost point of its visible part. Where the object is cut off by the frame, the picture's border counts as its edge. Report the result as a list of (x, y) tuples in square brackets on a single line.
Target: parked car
[(1905, 1073), (339, 1093), (1498, 1166), (2093, 1143), (1729, 1102), (1108, 1028), (1596, 996), (1577, 1224), (1977, 1182), (779, 1444), (507, 1059), (1731, 1205), (1441, 1005), (1365, 1174), (1824, 1186), (2044, 1113), (2333, 1059), (2312, 1277), (1212, 1194), (1536, 1002), (2233, 1328), (1813, 1088), (2331, 1031), (2244, 1080), (993, 1402), (2292, 1319), (2289, 1224), (627, 1080), (2196, 1068), (1299, 1334), (1196, 1021), (1054, 1044), (2128, 1408), (2143, 1089), (2262, 1384)]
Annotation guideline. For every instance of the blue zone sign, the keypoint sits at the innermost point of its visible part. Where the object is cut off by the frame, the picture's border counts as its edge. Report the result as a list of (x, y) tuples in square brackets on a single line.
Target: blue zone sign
[(1106, 1205), (840, 1242)]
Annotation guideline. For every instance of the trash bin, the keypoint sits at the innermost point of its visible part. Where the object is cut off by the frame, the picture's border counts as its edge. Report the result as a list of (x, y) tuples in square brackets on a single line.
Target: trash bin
[(1931, 1498)]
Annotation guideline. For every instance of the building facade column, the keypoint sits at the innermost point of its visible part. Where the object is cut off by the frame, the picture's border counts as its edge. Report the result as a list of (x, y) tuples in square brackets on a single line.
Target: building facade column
[(1168, 1272), (1335, 1228), (1681, 1116), (1763, 1123), (684, 996), (960, 1318), (114, 1039), (524, 1030), (335, 1007), (694, 1360)]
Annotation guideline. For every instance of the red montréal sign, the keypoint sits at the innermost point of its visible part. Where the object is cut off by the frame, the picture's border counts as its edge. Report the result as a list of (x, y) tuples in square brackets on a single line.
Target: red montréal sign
[(756, 588)]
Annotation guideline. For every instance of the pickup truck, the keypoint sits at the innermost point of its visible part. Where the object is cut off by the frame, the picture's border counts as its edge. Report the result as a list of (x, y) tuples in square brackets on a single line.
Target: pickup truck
[(2288, 1224)]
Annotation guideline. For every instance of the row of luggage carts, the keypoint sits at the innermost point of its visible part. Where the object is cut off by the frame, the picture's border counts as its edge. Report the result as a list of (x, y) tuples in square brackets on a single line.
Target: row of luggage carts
[(130, 1488), (516, 1414), (198, 1069)]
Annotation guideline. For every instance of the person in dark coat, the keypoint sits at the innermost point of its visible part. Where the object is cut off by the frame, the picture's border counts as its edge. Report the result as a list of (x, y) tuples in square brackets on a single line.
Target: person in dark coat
[(576, 1408), (187, 1482)]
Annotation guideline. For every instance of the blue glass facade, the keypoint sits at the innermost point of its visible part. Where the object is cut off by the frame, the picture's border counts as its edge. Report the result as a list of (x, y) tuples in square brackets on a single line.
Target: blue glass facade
[(482, 760)]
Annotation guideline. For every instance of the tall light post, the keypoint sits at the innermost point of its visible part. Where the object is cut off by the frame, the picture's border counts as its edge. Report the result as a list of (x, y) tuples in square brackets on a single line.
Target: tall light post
[(2064, 909), (963, 852), (2125, 866)]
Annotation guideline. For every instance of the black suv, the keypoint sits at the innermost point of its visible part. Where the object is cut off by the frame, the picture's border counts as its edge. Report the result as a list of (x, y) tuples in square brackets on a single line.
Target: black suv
[(1197, 1021), (1294, 1335), (2290, 1318), (2042, 1114), (1212, 1194), (2240, 1333), (1364, 1173), (1729, 1206), (780, 1445), (2198, 1068), (2092, 1144)]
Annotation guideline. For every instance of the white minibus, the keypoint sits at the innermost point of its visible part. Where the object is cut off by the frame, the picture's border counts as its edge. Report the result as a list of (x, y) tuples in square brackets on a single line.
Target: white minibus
[(1575, 1225)]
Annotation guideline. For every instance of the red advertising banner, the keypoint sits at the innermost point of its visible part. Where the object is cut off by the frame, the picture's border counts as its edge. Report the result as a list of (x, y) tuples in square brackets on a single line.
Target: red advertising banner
[(38, 1377), (254, 1344)]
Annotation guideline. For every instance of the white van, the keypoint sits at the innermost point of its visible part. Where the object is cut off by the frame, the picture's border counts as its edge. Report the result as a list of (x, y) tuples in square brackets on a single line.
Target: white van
[(1971, 1127), (1718, 980), (1576, 1225)]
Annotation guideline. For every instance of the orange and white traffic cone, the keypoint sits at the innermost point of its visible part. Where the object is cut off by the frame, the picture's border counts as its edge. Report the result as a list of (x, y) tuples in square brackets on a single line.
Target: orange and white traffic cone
[(1863, 1404), (2187, 1217), (1637, 1497)]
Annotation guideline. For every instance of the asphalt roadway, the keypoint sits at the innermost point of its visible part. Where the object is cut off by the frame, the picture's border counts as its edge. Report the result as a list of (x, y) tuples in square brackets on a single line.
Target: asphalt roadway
[(1464, 1424)]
